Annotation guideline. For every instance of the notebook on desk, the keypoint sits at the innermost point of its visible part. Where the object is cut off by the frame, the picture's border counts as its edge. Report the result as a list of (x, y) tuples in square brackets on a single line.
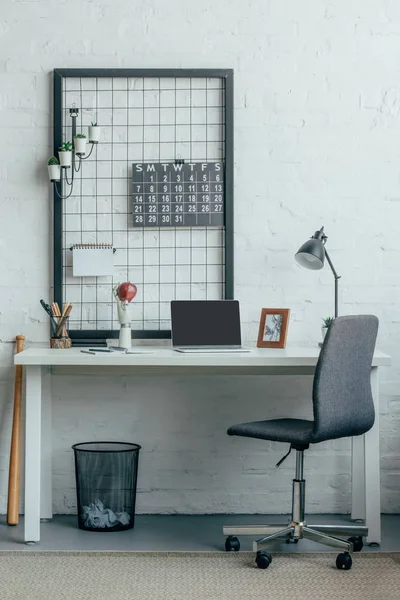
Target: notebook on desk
[(210, 326)]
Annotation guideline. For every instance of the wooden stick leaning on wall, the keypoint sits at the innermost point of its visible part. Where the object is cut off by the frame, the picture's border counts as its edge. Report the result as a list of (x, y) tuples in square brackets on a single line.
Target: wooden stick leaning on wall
[(15, 451)]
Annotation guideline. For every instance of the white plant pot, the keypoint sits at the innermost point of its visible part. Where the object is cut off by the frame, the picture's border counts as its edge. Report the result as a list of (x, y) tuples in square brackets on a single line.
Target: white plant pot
[(80, 145), (54, 172), (65, 158), (94, 134)]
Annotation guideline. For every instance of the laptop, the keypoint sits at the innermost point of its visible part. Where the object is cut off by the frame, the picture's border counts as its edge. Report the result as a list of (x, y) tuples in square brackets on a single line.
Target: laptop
[(206, 326)]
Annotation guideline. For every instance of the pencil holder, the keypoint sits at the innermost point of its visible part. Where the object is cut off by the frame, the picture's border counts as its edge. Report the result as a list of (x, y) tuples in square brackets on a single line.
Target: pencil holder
[(59, 328)]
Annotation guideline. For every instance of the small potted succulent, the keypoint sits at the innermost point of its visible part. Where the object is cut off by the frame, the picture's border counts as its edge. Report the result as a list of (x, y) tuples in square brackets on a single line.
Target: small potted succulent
[(80, 143), (94, 133), (327, 322), (65, 154), (54, 168)]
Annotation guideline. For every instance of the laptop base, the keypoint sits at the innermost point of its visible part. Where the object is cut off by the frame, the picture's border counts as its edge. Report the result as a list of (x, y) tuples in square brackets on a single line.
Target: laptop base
[(215, 350)]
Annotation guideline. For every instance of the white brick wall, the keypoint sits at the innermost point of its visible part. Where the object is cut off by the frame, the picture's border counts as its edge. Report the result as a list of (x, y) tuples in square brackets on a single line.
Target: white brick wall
[(317, 135)]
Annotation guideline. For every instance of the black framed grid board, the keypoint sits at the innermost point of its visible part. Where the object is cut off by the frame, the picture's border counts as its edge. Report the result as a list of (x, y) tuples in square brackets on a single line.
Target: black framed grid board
[(157, 188)]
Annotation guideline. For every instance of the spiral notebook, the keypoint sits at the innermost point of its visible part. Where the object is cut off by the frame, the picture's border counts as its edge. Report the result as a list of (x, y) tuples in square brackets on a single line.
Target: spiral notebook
[(92, 260)]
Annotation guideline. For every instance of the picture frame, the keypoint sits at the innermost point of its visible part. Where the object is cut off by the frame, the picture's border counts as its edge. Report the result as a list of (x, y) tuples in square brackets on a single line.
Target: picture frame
[(273, 329)]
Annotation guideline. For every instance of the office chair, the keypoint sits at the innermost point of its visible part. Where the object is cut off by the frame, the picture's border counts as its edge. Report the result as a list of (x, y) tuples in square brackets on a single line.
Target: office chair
[(343, 407)]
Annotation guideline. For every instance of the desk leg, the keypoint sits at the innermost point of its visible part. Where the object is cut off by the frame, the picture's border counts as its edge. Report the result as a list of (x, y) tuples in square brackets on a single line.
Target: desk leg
[(46, 504), (358, 478), (372, 470), (32, 453)]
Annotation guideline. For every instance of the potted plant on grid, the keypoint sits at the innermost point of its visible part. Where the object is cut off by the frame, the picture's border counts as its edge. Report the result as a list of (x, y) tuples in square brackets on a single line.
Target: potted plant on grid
[(327, 322), (65, 154), (80, 143), (53, 167), (94, 133)]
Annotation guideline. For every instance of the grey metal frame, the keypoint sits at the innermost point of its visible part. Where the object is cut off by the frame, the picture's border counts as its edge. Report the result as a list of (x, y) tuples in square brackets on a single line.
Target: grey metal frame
[(297, 528), (227, 75)]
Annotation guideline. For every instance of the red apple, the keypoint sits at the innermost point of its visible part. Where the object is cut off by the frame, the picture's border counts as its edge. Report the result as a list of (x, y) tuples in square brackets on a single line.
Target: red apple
[(127, 291)]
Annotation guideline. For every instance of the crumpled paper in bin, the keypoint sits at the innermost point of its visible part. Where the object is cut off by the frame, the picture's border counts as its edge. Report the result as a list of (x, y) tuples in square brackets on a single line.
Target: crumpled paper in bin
[(98, 517)]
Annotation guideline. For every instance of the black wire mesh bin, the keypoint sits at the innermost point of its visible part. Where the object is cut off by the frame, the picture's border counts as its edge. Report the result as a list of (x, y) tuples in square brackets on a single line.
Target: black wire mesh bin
[(106, 478)]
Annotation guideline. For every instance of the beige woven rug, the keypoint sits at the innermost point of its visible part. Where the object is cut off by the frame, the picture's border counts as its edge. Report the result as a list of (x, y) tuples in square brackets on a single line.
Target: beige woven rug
[(194, 576)]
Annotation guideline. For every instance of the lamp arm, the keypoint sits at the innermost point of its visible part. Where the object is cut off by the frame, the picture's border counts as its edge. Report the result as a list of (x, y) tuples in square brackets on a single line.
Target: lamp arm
[(337, 277)]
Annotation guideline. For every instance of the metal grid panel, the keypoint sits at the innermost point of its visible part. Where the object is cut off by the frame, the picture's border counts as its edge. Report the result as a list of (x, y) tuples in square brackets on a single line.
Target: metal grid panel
[(142, 119)]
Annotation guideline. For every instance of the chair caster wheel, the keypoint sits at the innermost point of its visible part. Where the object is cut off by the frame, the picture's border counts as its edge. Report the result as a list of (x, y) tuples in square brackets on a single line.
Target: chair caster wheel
[(232, 543), (344, 561), (263, 559), (357, 543)]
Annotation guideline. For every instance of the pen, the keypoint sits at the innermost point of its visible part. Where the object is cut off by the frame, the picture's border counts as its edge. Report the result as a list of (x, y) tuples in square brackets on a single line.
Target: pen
[(88, 352)]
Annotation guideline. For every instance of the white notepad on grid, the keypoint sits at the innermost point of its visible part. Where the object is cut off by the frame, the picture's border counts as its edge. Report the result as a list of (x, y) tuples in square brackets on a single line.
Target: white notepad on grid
[(92, 260)]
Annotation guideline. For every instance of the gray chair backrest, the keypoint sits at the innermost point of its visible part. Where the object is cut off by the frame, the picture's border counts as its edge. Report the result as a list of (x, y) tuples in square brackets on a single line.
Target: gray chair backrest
[(342, 397)]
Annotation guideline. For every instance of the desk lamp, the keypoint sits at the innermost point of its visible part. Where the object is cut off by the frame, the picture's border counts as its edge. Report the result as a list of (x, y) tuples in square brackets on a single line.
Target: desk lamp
[(312, 254)]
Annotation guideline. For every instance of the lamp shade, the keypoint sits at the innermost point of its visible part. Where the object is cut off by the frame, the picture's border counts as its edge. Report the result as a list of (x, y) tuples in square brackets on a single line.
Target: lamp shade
[(311, 255)]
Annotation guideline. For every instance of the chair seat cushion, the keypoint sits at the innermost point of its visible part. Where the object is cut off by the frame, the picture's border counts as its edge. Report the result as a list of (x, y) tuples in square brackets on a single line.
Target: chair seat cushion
[(292, 431)]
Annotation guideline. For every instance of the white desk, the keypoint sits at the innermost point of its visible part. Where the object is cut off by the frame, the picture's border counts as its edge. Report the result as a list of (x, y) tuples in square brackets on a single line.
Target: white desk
[(40, 362)]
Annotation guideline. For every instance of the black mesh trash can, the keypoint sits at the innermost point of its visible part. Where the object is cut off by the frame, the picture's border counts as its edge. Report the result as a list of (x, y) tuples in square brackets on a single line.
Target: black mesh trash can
[(106, 477)]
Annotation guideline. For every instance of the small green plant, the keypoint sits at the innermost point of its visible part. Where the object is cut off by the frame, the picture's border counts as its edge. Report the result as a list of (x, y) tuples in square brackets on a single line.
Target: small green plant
[(327, 321), (94, 124), (80, 135), (53, 161), (66, 147)]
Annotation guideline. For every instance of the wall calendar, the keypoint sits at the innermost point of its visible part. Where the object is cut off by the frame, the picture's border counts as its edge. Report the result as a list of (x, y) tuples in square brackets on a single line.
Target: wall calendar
[(178, 194)]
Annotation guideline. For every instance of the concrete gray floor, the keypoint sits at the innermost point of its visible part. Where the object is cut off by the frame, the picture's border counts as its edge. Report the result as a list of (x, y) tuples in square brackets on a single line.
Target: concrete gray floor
[(177, 533)]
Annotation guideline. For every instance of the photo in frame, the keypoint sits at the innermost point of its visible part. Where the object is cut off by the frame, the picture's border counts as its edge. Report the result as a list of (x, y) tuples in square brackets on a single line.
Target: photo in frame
[(273, 328)]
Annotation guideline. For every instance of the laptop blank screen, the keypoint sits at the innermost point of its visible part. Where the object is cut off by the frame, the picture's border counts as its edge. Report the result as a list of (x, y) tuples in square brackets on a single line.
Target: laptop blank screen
[(205, 323)]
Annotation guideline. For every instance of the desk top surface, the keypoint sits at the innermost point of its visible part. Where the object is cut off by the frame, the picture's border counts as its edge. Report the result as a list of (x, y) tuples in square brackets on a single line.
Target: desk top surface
[(166, 357)]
